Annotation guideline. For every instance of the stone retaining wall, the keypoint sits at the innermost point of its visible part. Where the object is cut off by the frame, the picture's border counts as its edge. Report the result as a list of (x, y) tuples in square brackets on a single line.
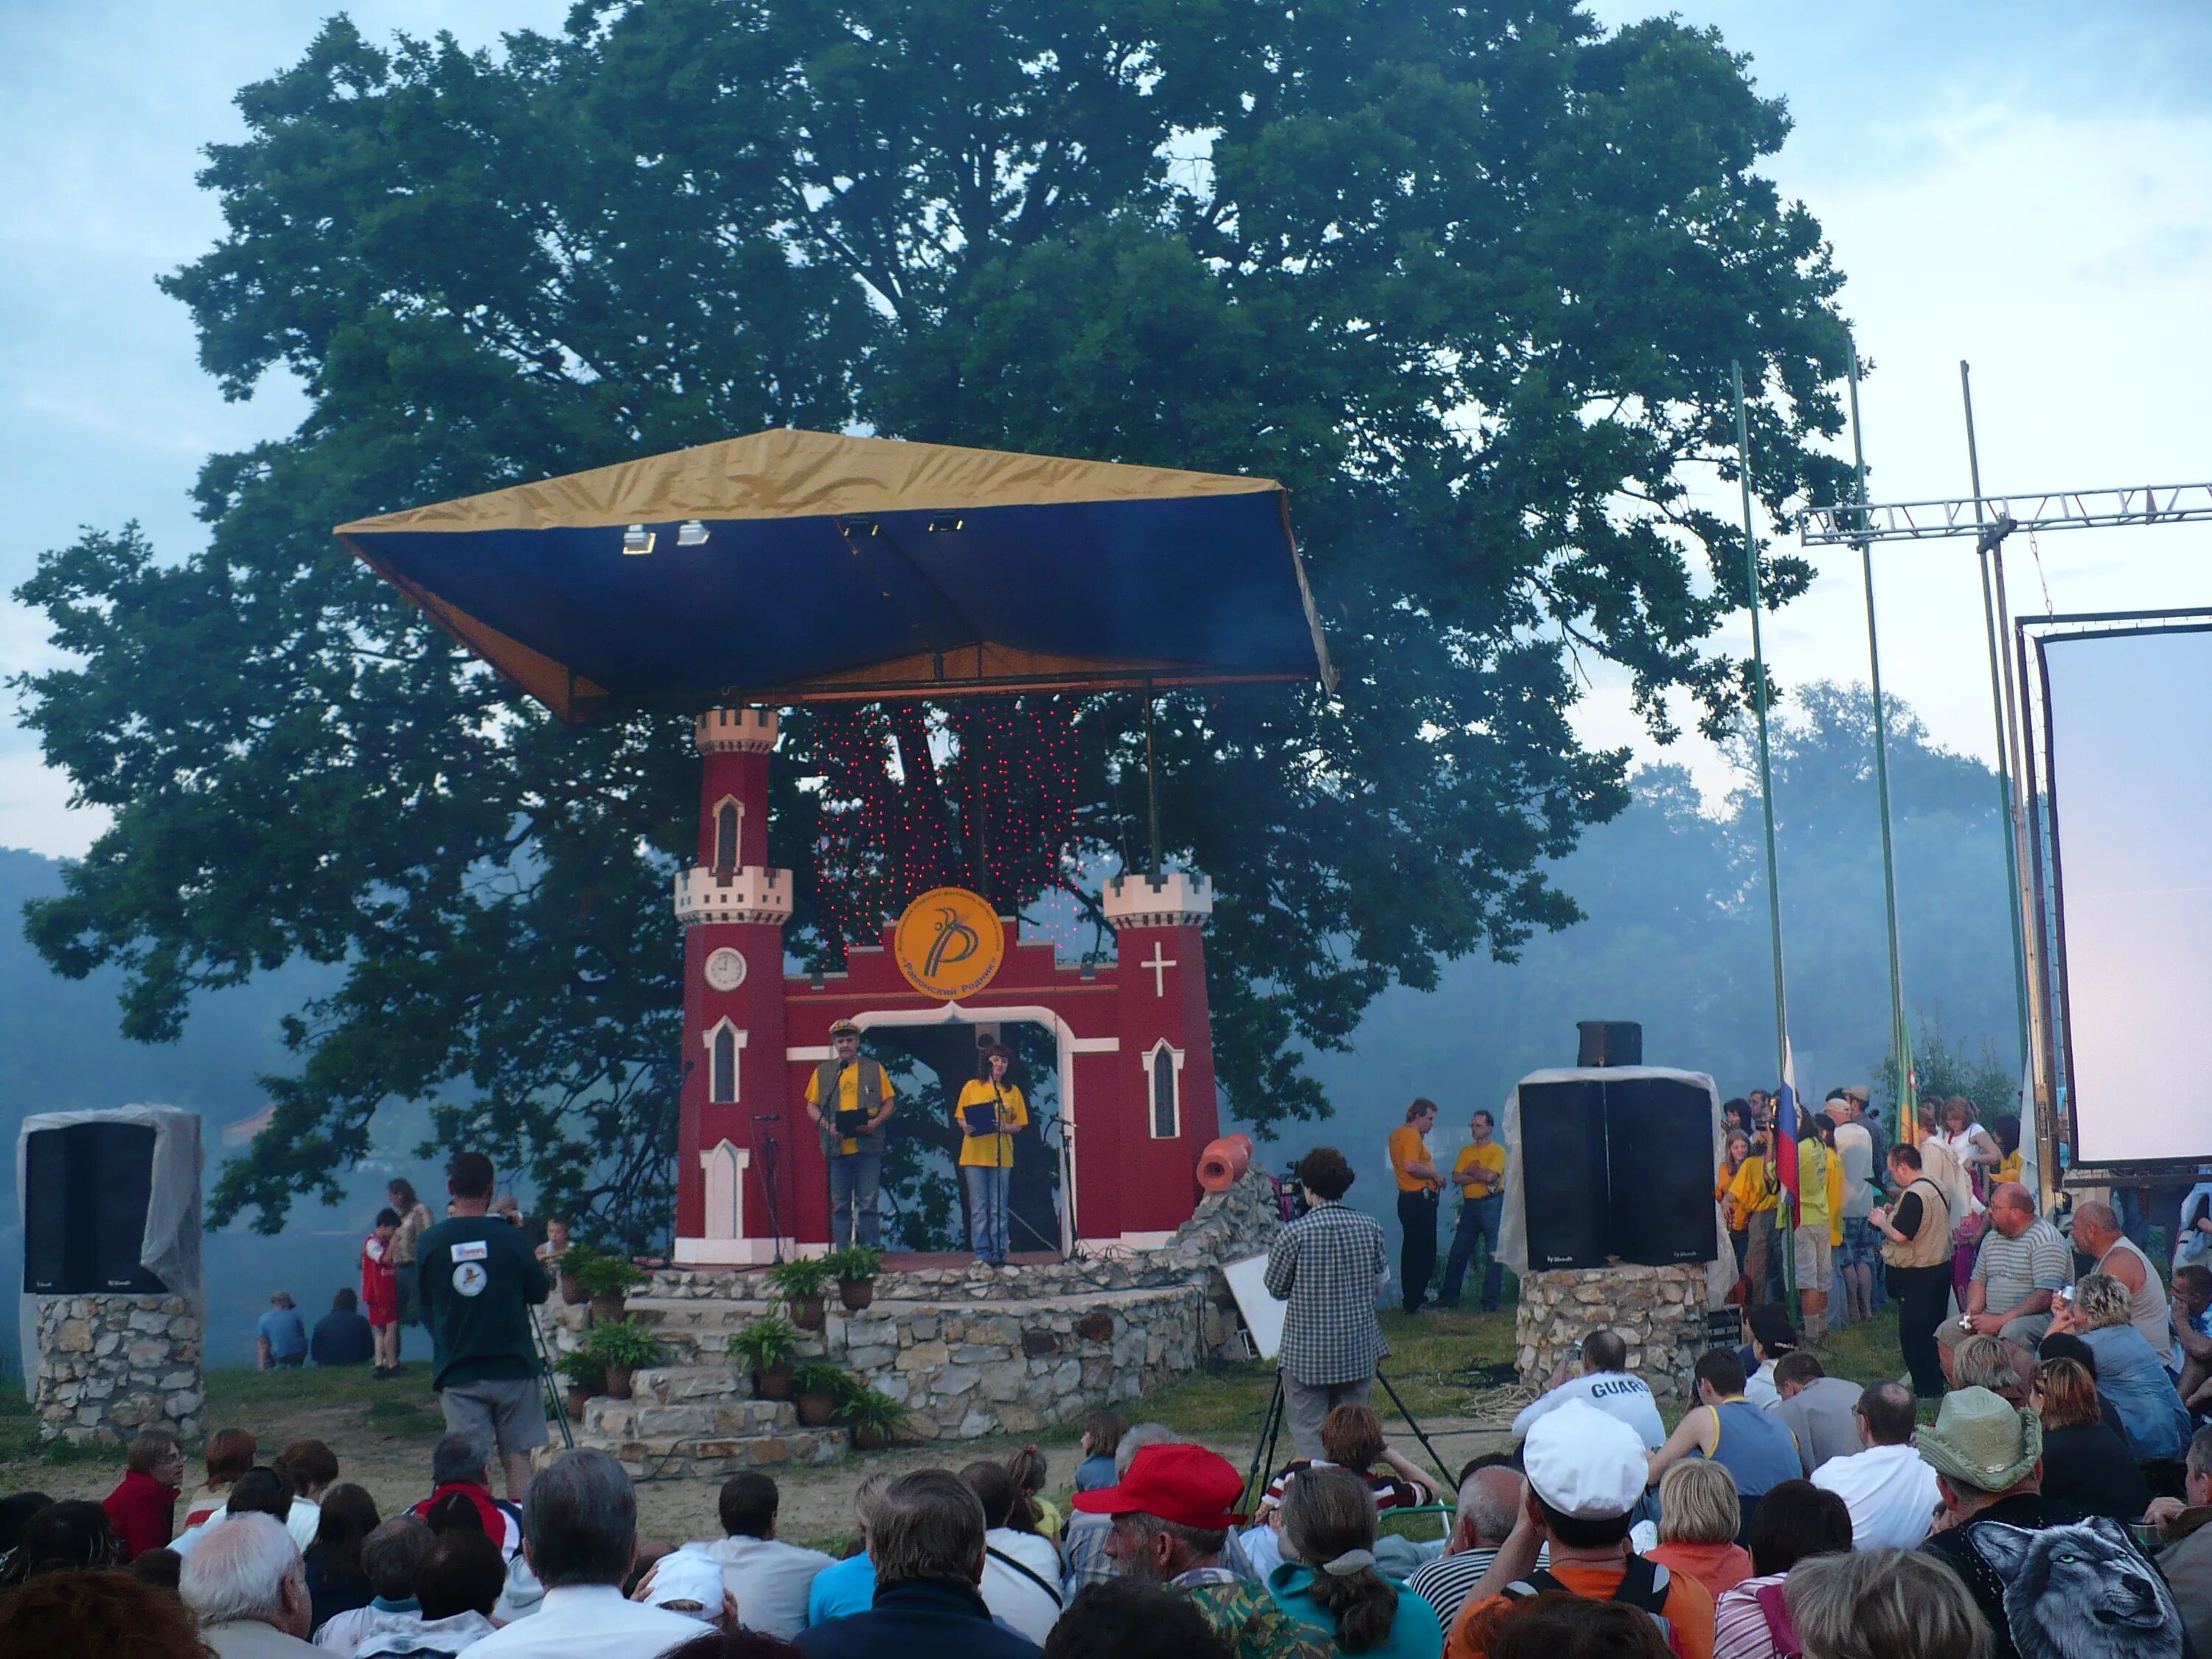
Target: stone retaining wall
[(1659, 1313), (111, 1366)]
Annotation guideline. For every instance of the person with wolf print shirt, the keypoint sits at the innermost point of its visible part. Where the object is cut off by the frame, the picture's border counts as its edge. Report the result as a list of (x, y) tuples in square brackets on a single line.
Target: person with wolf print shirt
[(2052, 1584)]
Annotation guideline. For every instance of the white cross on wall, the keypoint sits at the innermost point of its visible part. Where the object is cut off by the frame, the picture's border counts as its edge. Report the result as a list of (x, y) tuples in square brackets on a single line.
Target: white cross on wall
[(1159, 964)]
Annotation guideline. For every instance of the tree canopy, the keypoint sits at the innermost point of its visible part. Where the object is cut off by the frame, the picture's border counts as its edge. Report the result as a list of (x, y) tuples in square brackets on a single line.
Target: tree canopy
[(1467, 279)]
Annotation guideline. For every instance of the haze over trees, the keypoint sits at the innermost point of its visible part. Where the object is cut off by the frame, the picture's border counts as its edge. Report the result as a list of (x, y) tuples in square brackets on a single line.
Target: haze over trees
[(1466, 281)]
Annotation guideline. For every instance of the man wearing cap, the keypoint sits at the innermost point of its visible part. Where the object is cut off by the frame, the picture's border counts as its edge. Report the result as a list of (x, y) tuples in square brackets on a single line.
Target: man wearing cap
[(2090, 1594), (849, 1100), (1585, 1474), (1327, 1267), (1171, 1516)]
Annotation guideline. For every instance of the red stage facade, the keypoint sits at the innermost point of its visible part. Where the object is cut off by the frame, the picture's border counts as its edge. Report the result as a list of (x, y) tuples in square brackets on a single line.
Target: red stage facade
[(1134, 1039)]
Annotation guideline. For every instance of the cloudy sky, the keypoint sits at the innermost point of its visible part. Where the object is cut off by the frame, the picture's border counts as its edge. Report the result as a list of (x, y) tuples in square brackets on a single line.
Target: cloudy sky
[(2023, 184)]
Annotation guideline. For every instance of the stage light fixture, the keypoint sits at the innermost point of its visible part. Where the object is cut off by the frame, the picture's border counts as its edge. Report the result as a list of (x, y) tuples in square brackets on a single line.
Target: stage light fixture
[(944, 522), (637, 539), (691, 534)]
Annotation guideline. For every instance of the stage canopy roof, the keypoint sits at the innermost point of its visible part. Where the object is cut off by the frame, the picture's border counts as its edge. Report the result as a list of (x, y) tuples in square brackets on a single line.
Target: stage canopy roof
[(804, 567)]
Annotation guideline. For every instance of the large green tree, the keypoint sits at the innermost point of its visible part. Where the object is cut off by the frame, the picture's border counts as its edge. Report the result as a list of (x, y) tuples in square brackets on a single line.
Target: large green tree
[(1468, 279)]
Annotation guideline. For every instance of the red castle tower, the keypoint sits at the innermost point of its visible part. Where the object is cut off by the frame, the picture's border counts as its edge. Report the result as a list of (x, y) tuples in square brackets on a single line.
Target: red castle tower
[(1133, 1040)]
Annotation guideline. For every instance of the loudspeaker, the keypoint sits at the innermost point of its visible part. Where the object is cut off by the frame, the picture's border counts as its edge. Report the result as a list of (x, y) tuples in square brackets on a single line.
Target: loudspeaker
[(1564, 1186), (86, 1191), (1609, 1042), (1660, 1150)]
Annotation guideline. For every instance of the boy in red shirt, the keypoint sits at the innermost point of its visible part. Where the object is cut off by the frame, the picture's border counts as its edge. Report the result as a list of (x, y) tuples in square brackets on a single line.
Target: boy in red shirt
[(379, 1291)]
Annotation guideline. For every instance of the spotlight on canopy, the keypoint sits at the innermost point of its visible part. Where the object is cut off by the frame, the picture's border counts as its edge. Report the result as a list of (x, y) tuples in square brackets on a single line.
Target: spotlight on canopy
[(804, 567)]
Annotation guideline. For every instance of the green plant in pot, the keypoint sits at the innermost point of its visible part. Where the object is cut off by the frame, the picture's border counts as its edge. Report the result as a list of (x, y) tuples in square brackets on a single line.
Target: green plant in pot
[(623, 1346), (574, 1260), (588, 1376), (800, 1283), (767, 1347), (874, 1417), (608, 1279), (856, 1266), (820, 1390)]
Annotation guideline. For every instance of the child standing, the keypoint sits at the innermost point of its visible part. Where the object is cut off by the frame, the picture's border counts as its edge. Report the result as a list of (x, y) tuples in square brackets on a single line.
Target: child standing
[(379, 1291)]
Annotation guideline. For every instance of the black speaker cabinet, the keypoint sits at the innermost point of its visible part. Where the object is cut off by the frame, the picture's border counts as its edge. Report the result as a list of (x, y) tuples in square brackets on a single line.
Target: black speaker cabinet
[(1564, 1182), (1617, 1167), (86, 1190), (1609, 1042)]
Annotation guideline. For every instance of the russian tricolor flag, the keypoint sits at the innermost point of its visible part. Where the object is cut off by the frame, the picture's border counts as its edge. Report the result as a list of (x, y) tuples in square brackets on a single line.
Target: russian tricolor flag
[(1789, 1124)]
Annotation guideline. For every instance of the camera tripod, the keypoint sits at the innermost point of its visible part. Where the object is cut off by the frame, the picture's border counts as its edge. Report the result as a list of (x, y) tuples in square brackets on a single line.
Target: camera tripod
[(1271, 1431)]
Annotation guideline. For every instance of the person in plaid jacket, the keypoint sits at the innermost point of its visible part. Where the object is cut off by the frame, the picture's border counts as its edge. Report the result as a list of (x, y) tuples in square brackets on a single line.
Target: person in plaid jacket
[(1327, 1266)]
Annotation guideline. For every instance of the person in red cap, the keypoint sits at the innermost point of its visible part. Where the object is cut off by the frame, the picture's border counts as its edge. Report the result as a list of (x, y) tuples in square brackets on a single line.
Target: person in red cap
[(1171, 1516)]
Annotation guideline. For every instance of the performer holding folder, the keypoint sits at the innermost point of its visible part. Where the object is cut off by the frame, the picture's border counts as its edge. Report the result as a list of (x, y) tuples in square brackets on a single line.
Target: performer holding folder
[(991, 1111)]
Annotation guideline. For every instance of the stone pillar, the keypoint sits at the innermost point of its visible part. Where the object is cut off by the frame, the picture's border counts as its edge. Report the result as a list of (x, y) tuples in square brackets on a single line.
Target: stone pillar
[(1659, 1313), (733, 906), (111, 1366)]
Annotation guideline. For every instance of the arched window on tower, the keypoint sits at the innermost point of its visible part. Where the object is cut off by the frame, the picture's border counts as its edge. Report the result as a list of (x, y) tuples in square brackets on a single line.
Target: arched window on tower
[(722, 1083), (1167, 1117), (726, 839)]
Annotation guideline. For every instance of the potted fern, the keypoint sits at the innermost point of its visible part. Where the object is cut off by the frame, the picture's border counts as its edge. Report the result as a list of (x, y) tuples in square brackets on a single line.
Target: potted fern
[(874, 1418), (856, 1266), (766, 1346), (623, 1346), (800, 1283), (820, 1390), (608, 1281), (573, 1260), (588, 1376)]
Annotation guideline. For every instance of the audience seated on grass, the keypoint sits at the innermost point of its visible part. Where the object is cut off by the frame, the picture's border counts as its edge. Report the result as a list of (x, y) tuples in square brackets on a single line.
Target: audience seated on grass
[(1586, 1476), (2086, 1463), (1085, 1552), (142, 1508), (1100, 1439), (1699, 1519), (389, 1556), (1126, 1619), (1889, 1491), (1170, 1520), (1351, 1439), (681, 1582), (848, 1586), (2185, 1543), (1883, 1604), (1553, 1625), (1795, 1521), (95, 1614), (1754, 1446), (260, 1490), (229, 1453), (1031, 1472), (456, 1585), (1819, 1409), (1327, 1579), (74, 1533), (1491, 1494), (246, 1585), (771, 1580), (1774, 1339), (927, 1541), (460, 1472), (337, 1581), (1605, 1382), (310, 1468), (2128, 1370)]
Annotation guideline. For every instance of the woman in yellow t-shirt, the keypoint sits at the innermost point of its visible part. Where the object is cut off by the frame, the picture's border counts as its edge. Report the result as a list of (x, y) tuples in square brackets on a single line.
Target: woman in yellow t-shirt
[(990, 1113), (1754, 1197)]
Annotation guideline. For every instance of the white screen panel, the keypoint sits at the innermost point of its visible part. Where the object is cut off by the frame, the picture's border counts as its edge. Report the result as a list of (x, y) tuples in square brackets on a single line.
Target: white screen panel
[(2131, 777)]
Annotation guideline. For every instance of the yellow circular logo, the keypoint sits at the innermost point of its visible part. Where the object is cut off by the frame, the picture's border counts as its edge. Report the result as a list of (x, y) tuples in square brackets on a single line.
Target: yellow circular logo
[(949, 942)]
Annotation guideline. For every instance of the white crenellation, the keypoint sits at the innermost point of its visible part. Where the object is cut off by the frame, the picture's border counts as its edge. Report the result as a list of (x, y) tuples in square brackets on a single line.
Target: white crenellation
[(1174, 898), (735, 730), (753, 894)]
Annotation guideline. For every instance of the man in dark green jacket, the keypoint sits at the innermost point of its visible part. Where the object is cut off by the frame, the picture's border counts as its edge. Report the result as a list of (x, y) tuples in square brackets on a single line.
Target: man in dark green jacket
[(477, 1281)]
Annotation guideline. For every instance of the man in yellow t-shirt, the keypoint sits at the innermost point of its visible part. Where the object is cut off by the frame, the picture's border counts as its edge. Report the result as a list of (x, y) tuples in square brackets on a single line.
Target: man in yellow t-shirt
[(1418, 1185), (1479, 1172), (859, 1092), (1755, 1196)]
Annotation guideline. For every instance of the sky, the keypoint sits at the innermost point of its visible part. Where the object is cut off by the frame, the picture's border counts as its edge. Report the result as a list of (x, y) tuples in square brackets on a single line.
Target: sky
[(2021, 184)]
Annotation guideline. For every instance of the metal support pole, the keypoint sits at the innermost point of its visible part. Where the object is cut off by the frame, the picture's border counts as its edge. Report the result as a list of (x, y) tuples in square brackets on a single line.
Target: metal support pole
[(1151, 786), (1766, 803), (1997, 699), (1900, 1040)]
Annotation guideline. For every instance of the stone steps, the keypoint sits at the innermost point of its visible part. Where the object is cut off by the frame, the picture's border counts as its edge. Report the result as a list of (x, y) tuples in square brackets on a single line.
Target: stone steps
[(687, 1421)]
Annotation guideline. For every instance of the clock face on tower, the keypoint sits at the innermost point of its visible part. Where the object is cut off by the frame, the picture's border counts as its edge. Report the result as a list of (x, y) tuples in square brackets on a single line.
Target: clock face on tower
[(725, 969)]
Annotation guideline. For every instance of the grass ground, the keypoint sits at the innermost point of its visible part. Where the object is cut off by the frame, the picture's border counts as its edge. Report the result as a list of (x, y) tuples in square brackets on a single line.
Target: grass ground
[(383, 1431)]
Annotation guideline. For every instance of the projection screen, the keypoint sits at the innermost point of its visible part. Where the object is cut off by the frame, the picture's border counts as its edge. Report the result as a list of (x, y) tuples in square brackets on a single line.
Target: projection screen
[(2130, 783)]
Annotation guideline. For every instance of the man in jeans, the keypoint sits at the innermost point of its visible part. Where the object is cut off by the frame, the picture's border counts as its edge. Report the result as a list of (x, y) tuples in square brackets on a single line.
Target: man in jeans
[(1418, 1188), (1480, 1175), (1327, 1267), (477, 1280), (850, 1094)]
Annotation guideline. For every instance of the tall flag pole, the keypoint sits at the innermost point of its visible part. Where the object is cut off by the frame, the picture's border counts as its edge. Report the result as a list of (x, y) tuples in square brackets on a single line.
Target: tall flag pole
[(1900, 1038), (1786, 1125)]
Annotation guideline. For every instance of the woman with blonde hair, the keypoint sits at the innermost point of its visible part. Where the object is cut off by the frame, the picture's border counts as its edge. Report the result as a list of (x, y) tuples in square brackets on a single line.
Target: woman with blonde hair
[(2086, 1463), (1883, 1604), (1699, 1516), (2129, 1371), (1327, 1579)]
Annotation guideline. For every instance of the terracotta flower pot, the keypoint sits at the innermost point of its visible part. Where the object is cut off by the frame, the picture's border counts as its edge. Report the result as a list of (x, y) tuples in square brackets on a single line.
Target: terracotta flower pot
[(856, 1293), (807, 1313), (618, 1381), (815, 1410), (578, 1399), (775, 1383), (607, 1307), (870, 1439), (572, 1291)]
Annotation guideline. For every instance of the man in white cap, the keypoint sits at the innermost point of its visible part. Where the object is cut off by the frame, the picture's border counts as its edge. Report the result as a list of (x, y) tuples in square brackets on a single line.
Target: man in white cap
[(1585, 1473)]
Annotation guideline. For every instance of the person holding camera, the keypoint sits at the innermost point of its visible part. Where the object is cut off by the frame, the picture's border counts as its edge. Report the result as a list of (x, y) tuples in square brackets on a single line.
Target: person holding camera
[(991, 1112), (1327, 1267), (848, 1099)]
